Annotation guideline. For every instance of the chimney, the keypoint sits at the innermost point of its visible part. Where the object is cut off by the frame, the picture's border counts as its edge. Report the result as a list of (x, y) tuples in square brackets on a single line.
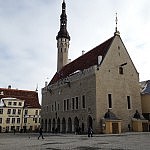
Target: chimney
[(9, 86), (83, 52)]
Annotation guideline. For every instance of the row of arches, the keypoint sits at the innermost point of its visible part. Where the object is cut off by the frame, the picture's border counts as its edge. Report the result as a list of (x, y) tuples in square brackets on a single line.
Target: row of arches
[(66, 125)]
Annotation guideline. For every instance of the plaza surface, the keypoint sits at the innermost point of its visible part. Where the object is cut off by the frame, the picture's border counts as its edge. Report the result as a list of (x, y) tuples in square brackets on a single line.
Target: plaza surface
[(29, 141)]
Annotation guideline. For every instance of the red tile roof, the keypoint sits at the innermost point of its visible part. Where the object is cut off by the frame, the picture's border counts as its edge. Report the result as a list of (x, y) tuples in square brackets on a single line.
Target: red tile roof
[(83, 62), (30, 97)]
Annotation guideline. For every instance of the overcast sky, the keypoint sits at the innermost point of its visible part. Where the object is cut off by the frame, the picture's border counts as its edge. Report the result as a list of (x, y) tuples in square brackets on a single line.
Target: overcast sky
[(28, 29)]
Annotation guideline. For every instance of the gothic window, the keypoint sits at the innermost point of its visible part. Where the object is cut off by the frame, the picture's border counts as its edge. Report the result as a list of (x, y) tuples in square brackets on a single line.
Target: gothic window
[(55, 106), (83, 101), (52, 108), (58, 106), (120, 70), (128, 102), (109, 101), (77, 103), (64, 105), (67, 104), (72, 103)]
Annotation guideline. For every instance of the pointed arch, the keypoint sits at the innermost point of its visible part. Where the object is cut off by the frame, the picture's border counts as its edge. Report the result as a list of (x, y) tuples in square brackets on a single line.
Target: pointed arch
[(45, 125), (69, 125), (49, 125), (76, 124), (58, 125), (53, 125), (89, 122), (63, 125)]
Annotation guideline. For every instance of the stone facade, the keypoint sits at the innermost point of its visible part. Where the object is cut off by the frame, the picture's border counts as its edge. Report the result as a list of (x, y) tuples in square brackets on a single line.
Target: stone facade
[(81, 92), (94, 84)]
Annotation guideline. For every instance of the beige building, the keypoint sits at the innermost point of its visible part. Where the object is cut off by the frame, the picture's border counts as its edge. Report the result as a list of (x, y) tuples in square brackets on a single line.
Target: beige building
[(19, 110), (145, 99), (99, 89)]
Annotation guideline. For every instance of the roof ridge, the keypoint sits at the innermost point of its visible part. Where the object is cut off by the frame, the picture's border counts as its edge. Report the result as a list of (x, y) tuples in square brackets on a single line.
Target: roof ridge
[(84, 61)]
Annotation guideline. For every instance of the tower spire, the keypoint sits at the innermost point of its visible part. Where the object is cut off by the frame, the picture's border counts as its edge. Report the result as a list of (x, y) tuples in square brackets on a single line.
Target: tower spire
[(63, 33), (63, 39)]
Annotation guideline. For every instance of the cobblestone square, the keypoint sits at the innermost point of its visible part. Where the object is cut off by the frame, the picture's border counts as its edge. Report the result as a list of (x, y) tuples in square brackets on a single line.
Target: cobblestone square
[(29, 141)]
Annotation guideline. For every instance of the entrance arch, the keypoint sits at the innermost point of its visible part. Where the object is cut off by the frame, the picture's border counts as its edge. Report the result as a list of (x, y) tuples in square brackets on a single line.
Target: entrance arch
[(49, 125), (45, 125), (63, 125), (82, 128), (53, 126), (58, 125), (76, 124), (69, 125), (90, 122)]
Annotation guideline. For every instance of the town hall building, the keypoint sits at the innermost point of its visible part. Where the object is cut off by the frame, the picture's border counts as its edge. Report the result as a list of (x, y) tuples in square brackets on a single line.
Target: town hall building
[(100, 89)]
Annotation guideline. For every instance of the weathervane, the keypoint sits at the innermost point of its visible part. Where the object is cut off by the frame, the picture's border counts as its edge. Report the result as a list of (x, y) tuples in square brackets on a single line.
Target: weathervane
[(116, 21)]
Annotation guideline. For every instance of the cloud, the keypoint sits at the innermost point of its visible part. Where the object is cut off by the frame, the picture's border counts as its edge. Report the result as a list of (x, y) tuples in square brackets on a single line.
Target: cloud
[(28, 29)]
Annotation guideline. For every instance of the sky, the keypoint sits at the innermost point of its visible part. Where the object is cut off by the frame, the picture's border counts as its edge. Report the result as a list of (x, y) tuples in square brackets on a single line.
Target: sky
[(28, 29)]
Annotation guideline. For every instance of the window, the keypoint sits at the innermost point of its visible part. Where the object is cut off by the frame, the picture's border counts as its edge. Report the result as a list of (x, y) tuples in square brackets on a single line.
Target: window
[(15, 103), (1, 111), (36, 112), (9, 111), (13, 120), (25, 120), (14, 111), (20, 104), (72, 103), (120, 70), (129, 102), (35, 120), (47, 108), (19, 111), (83, 101), (18, 120), (26, 112), (9, 103), (67, 104), (52, 108), (55, 106), (0, 120), (8, 120), (64, 105), (109, 101), (77, 103), (58, 106), (7, 128)]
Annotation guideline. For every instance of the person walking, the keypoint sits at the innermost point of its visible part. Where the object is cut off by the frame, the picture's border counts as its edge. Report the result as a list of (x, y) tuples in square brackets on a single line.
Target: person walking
[(90, 132), (41, 134)]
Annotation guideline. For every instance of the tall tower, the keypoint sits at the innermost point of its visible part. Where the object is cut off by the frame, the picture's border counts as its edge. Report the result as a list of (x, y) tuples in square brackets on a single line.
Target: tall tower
[(63, 39)]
